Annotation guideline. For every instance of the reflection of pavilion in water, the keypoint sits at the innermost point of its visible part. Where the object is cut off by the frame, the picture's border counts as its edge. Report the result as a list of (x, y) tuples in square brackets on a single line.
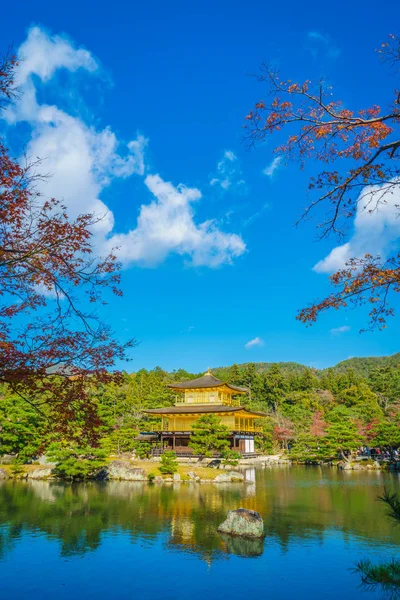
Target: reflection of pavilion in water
[(294, 503)]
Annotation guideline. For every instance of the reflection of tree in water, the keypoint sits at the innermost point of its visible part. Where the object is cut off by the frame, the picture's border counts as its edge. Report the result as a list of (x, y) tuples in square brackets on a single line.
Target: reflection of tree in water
[(296, 503)]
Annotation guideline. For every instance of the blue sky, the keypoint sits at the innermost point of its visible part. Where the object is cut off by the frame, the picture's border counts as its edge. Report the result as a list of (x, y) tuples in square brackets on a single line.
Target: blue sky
[(138, 110)]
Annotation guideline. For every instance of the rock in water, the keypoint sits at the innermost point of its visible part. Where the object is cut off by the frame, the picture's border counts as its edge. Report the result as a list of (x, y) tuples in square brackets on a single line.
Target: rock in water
[(43, 473), (229, 477), (247, 523), (123, 470), (3, 474)]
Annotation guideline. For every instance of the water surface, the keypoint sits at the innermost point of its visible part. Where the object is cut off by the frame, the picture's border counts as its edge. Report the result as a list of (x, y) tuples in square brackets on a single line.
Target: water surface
[(127, 540)]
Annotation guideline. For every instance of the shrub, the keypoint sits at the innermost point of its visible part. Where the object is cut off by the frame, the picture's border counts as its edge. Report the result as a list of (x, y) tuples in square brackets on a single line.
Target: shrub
[(230, 458), (151, 477), (143, 449), (17, 468), (168, 463), (74, 462)]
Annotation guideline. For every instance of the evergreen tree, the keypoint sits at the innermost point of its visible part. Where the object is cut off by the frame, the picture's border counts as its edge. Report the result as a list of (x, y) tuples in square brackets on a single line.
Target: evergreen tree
[(168, 463), (209, 436)]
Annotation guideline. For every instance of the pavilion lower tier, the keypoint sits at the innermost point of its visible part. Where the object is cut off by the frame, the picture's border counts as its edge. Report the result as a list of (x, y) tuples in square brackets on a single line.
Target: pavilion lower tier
[(178, 442)]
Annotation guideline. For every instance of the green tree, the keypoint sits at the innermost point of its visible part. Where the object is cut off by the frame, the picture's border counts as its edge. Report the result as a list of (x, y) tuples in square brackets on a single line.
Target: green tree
[(275, 386), (385, 382), (265, 442), (307, 448), (230, 458), (76, 462), (209, 436), (22, 427), (342, 438), (362, 401), (168, 463), (387, 433)]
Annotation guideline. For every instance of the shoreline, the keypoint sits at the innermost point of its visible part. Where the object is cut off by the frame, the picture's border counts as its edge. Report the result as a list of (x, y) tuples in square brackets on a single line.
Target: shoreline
[(189, 470)]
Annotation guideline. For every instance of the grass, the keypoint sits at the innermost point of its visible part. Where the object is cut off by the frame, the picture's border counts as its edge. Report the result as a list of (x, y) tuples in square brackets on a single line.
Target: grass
[(25, 468), (183, 470), (146, 465)]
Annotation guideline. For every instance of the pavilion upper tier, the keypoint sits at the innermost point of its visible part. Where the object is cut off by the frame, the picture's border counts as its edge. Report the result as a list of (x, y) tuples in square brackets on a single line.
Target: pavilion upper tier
[(207, 390)]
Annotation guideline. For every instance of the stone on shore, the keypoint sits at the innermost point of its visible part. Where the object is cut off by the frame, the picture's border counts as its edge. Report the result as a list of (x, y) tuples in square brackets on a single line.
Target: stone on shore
[(244, 522), (123, 470), (43, 473), (3, 474), (229, 477)]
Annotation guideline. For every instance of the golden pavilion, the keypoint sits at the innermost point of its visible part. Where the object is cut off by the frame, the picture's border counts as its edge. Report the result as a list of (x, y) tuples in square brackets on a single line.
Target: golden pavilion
[(206, 395)]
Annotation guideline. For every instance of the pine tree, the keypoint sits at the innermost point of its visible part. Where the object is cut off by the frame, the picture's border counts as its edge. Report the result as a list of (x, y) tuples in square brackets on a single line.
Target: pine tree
[(209, 436)]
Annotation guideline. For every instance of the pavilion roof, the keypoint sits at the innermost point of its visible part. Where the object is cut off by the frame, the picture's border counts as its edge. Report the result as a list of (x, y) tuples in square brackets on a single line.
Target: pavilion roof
[(206, 381), (201, 408)]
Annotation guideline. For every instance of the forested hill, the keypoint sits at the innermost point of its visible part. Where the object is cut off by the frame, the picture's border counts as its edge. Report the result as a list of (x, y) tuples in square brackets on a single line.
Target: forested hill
[(361, 366), (288, 368)]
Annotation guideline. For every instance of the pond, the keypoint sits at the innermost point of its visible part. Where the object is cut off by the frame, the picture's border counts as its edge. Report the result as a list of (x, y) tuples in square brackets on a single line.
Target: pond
[(128, 540)]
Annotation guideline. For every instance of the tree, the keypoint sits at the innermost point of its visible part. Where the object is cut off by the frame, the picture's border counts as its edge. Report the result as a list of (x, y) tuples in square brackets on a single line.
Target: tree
[(168, 463), (387, 434), (230, 458), (21, 427), (275, 386), (306, 448), (365, 145), (209, 436), (76, 462), (54, 349), (342, 438)]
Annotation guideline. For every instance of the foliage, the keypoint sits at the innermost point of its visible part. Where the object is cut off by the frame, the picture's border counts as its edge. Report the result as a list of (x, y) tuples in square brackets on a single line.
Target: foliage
[(385, 576), (151, 477), (143, 449), (359, 152), (75, 462), (168, 463), (209, 436), (21, 427), (54, 348), (298, 405), (341, 438), (307, 448), (265, 441), (230, 458)]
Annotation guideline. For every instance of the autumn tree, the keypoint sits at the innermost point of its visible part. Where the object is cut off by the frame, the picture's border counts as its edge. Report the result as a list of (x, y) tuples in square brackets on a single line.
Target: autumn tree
[(54, 349), (359, 150)]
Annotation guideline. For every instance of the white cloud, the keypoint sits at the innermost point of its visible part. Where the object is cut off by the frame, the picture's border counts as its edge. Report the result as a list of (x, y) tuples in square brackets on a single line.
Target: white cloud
[(82, 160), (339, 330), (319, 41), (315, 35), (273, 166), (229, 174), (257, 341), (167, 225), (376, 228)]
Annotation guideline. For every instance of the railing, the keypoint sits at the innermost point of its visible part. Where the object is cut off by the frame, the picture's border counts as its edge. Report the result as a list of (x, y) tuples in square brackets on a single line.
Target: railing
[(187, 453), (172, 429), (202, 402)]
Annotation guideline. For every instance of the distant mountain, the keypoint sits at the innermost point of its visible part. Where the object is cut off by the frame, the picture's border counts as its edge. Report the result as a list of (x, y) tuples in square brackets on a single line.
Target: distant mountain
[(363, 366), (287, 367)]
